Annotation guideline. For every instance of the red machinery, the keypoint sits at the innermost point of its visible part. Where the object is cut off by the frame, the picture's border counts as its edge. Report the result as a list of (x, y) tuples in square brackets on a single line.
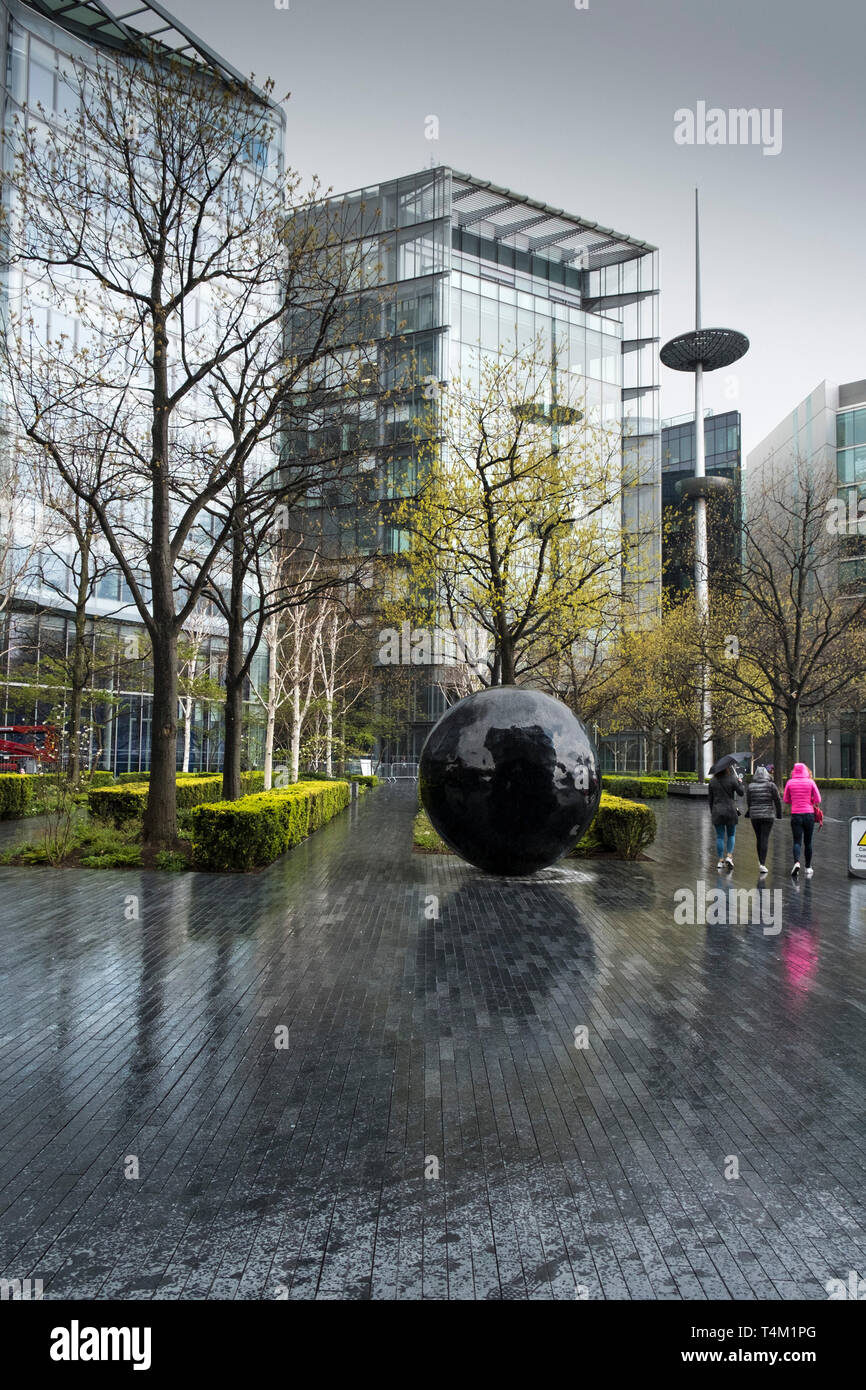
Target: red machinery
[(20, 742)]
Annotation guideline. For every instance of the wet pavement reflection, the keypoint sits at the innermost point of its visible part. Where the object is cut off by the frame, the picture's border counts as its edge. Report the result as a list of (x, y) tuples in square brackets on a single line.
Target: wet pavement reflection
[(367, 1073)]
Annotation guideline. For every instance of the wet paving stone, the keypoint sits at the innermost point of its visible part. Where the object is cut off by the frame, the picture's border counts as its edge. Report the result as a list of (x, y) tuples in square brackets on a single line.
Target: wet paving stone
[(356, 1075)]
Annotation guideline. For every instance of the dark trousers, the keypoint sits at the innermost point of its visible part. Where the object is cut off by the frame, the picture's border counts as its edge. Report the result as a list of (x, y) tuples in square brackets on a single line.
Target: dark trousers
[(762, 830), (801, 829)]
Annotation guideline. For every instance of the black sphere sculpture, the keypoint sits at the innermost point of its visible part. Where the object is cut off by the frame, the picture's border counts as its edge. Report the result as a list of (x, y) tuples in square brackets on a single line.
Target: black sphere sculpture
[(510, 779)]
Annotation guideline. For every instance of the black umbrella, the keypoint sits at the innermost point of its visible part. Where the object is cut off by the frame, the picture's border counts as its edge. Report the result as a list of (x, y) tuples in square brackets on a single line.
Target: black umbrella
[(727, 761)]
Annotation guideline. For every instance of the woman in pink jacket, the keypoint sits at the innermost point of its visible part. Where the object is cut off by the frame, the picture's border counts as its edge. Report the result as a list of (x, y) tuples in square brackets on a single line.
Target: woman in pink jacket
[(802, 796)]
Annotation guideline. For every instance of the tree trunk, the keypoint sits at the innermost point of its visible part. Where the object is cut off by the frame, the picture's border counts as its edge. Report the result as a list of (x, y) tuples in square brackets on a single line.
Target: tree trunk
[(672, 762), (234, 668), (858, 756), (79, 657), (793, 742), (329, 737), (271, 712), (160, 817), (506, 660), (296, 731), (186, 708)]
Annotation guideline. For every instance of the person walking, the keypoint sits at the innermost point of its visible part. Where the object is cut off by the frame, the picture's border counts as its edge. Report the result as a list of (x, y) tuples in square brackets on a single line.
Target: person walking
[(803, 797), (724, 786), (763, 806)]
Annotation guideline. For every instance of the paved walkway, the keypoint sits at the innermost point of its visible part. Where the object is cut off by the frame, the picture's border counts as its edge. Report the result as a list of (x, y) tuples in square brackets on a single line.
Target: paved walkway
[(139, 1019)]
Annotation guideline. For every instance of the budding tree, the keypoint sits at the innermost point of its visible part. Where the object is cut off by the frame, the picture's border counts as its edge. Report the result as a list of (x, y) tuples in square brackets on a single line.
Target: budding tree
[(157, 217)]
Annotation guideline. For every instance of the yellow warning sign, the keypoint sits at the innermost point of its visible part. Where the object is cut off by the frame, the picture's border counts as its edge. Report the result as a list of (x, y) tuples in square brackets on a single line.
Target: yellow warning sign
[(862, 840)]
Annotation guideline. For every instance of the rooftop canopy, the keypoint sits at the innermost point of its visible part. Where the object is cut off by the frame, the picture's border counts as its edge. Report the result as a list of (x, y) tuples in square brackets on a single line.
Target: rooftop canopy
[(136, 22), (502, 215)]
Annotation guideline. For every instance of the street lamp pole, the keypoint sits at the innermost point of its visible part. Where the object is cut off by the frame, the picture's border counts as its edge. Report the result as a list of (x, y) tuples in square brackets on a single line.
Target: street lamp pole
[(702, 583), (703, 350)]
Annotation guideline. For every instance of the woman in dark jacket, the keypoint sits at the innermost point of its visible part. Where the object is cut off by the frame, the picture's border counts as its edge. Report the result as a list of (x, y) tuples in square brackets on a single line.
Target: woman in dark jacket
[(723, 787), (763, 806)]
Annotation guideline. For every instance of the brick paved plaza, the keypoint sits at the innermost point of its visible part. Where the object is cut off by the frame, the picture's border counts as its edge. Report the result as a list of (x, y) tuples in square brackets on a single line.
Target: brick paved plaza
[(418, 1045)]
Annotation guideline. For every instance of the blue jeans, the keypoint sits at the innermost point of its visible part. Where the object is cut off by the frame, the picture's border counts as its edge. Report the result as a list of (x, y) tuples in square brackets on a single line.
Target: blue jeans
[(727, 829)]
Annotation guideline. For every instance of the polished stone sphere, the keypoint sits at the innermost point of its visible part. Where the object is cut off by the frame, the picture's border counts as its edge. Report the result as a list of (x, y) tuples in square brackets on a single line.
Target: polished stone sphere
[(510, 779)]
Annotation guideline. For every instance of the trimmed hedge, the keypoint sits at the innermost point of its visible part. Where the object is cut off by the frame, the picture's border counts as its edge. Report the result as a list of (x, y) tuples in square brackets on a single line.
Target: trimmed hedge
[(620, 826), (232, 836), (138, 777), (645, 787), (851, 784), (16, 794), (124, 802)]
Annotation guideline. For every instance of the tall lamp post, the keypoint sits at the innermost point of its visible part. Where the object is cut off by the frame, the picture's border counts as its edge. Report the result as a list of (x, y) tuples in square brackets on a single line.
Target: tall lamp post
[(704, 350)]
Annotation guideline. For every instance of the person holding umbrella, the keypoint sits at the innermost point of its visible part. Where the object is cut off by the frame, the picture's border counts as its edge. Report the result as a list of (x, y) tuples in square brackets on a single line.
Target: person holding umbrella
[(724, 786)]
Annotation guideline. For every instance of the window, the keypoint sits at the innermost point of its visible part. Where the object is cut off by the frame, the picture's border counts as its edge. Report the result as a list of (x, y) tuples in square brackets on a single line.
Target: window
[(844, 429), (40, 77)]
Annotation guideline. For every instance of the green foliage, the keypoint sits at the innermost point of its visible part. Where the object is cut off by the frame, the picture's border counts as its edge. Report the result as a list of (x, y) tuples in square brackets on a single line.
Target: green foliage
[(91, 846), (625, 827), (364, 781), (126, 802), (620, 827), (257, 829), (137, 777), (16, 795), (117, 804), (644, 787), (857, 784), (124, 856), (425, 838), (171, 862)]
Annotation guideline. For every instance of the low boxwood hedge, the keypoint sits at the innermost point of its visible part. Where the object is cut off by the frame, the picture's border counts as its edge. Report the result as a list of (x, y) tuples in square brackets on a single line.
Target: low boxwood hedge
[(622, 827), (232, 836), (137, 777), (16, 794), (852, 784), (122, 803), (644, 787)]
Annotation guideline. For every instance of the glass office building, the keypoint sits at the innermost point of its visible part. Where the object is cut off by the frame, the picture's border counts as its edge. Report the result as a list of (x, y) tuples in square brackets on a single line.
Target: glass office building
[(40, 42), (825, 437), (723, 459), (458, 268)]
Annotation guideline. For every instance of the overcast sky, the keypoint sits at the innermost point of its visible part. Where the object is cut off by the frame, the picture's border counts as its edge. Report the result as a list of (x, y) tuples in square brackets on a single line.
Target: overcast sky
[(576, 108)]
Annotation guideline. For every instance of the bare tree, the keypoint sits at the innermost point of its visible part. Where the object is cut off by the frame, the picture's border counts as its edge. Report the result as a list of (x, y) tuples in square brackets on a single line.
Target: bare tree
[(159, 217), (792, 640)]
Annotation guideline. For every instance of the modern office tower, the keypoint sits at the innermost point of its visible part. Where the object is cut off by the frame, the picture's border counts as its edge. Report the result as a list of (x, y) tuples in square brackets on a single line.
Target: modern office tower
[(458, 268), (41, 40), (825, 437), (722, 443)]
